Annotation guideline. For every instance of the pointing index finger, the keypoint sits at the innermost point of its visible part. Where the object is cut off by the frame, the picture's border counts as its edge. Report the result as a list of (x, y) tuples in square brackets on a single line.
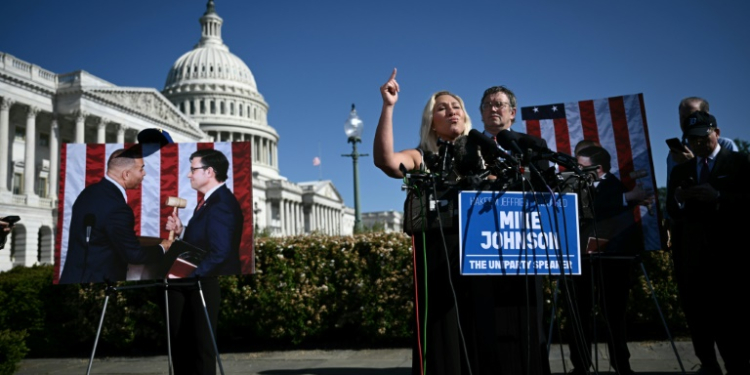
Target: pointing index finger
[(393, 75)]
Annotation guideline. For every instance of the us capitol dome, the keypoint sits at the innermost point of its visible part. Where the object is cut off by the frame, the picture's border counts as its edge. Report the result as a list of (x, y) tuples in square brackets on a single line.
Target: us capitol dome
[(216, 89)]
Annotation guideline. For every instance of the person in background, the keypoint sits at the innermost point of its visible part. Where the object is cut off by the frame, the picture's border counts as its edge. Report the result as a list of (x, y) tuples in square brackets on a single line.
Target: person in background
[(705, 197), (607, 271)]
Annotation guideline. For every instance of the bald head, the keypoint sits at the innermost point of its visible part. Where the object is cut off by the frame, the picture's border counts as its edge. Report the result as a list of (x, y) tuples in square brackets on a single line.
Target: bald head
[(126, 167), (689, 105)]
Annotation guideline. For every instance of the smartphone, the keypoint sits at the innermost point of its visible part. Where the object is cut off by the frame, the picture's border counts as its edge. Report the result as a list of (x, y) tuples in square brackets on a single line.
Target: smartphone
[(675, 145), (11, 219)]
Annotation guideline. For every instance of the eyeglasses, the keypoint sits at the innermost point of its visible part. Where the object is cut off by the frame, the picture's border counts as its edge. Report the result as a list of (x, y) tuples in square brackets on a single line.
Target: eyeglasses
[(499, 105), (192, 170)]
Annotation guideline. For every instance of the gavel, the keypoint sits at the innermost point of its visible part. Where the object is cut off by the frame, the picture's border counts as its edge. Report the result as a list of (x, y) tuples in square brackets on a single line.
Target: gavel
[(175, 202)]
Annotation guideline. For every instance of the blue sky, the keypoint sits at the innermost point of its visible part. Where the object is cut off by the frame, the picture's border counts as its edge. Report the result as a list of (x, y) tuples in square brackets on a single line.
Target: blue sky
[(313, 59)]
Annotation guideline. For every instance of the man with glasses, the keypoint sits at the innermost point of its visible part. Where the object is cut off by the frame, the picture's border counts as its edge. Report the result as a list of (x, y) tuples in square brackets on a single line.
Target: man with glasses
[(507, 310), (706, 197), (216, 227)]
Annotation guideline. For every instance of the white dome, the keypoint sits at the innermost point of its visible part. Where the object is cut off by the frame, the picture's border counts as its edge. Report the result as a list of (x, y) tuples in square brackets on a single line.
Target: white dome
[(209, 63), (210, 60)]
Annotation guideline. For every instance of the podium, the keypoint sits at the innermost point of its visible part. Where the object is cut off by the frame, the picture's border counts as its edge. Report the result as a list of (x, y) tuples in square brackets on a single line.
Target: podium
[(516, 233)]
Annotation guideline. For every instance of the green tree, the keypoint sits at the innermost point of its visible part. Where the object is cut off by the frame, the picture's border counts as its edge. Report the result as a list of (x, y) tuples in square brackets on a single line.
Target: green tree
[(743, 145)]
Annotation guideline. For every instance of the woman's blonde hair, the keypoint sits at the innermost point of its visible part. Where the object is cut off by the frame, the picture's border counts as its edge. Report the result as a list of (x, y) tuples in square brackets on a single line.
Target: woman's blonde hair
[(427, 137)]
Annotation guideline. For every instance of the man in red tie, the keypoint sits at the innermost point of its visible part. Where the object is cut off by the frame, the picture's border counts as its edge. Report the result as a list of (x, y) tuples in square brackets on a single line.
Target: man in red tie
[(216, 227), (705, 197)]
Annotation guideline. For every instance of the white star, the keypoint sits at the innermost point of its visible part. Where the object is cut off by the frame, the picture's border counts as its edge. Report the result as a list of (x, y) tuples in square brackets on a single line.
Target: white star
[(536, 109), (554, 108)]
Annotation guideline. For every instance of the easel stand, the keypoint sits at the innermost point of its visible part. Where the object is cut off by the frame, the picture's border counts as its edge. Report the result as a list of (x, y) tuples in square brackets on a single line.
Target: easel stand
[(111, 289), (632, 258)]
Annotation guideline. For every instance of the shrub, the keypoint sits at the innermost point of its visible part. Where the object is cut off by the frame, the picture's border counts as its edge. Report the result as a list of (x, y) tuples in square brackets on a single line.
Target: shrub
[(308, 290), (12, 350)]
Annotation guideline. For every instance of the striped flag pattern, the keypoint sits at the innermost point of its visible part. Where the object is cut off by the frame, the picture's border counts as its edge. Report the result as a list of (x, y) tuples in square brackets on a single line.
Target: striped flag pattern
[(166, 176), (619, 125)]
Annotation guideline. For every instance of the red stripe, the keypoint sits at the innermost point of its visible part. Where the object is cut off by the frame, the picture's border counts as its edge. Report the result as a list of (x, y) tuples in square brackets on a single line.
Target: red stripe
[(95, 162), (562, 135), (656, 205), (533, 128), (60, 212), (243, 190), (622, 140), (588, 121), (168, 182), (134, 201)]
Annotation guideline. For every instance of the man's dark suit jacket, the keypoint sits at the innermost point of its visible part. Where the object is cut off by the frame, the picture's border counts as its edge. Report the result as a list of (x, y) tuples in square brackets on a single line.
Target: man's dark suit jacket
[(217, 229), (721, 220), (113, 242), (614, 220)]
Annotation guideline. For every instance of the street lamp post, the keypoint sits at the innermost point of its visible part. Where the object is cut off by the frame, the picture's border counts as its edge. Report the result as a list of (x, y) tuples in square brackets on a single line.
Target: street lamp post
[(353, 129)]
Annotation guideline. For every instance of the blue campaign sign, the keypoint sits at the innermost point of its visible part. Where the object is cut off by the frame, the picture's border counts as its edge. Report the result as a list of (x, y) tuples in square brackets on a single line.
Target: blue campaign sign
[(514, 233)]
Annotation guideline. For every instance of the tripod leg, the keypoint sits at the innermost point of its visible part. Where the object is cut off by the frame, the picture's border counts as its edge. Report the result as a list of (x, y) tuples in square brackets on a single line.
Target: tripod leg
[(552, 318), (210, 329), (169, 337), (666, 328), (98, 332)]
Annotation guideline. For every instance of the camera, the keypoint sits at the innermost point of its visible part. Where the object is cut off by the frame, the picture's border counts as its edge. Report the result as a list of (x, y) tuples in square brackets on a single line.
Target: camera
[(11, 220)]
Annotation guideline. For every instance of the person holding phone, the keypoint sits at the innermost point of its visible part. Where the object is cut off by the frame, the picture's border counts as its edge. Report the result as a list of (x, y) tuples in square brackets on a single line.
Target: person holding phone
[(679, 149), (705, 197)]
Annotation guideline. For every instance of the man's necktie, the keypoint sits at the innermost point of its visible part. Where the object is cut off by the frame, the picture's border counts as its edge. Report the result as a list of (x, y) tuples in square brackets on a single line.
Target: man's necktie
[(703, 178), (199, 205)]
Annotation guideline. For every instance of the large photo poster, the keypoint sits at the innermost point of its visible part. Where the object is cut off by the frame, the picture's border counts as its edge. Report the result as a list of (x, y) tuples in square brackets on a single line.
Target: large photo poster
[(100, 239)]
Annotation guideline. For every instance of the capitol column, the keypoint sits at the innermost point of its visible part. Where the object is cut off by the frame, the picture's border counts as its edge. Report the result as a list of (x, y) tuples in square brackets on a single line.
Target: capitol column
[(29, 160), (275, 155), (4, 132), (101, 130), (54, 156), (121, 133), (80, 128)]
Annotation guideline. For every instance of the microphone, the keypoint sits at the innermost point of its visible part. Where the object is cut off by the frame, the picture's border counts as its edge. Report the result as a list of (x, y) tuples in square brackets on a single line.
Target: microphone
[(446, 156), (509, 140), (528, 142), (89, 221), (466, 156), (489, 148)]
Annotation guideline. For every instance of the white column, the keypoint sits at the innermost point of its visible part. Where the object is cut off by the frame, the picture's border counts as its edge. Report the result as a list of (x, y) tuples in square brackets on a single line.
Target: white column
[(300, 218), (54, 156), (80, 129), (252, 148), (313, 217), (121, 133), (284, 224), (326, 220), (275, 155), (29, 160), (4, 140), (101, 130), (296, 218)]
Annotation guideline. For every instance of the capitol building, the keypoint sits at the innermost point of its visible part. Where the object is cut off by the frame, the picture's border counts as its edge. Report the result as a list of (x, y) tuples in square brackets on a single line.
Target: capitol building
[(209, 95)]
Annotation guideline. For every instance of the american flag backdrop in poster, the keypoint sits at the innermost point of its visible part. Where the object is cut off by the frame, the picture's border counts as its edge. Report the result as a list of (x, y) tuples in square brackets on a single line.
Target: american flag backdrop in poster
[(166, 176), (619, 125)]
